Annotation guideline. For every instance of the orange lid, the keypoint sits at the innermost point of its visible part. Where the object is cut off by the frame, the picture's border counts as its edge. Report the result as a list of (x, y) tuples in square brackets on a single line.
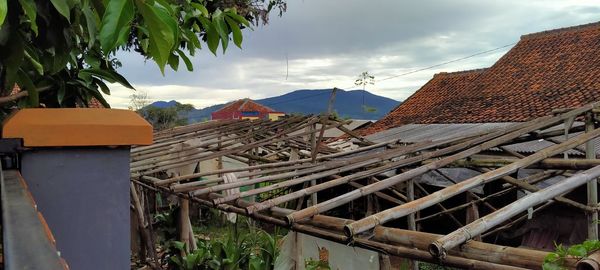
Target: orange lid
[(77, 127)]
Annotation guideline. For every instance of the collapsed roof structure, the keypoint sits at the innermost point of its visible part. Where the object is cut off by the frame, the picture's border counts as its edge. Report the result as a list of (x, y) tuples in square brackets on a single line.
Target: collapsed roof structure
[(525, 129), (384, 170)]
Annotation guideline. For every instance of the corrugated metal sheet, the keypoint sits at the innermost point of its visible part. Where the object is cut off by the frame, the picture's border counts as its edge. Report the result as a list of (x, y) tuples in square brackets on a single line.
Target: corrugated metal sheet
[(432, 132), (412, 133)]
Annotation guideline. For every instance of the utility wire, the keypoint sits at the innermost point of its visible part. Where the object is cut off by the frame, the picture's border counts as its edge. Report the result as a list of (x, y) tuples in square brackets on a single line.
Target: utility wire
[(445, 63), (403, 74)]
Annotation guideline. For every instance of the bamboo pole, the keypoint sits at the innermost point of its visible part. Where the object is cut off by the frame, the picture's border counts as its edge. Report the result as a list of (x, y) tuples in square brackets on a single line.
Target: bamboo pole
[(523, 217), (444, 211), (548, 163), (440, 247), (590, 262), (333, 183), (592, 186), (274, 165), (424, 202), (476, 256), (476, 145), (153, 168), (332, 168), (529, 187), (143, 225), (476, 250), (412, 223)]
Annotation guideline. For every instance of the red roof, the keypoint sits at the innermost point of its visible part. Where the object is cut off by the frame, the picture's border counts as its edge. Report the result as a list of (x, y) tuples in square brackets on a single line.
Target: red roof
[(543, 71), (244, 105)]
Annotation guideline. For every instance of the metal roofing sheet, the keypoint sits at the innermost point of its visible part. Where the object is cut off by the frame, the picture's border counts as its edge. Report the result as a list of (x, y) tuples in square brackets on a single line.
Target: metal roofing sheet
[(412, 133)]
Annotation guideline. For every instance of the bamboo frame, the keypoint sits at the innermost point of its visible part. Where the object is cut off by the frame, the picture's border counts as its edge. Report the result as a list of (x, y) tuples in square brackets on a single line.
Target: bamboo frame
[(266, 147)]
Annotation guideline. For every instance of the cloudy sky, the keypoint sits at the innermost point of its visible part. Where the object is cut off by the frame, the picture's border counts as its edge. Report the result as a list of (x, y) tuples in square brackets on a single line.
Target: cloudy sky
[(328, 43)]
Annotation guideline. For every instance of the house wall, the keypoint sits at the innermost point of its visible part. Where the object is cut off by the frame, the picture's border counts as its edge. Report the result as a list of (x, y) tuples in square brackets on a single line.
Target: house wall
[(298, 248), (83, 194)]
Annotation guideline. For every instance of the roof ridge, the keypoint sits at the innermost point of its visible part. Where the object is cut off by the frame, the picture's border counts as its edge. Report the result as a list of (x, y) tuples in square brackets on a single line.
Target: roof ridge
[(244, 103), (262, 105), (460, 72), (561, 30)]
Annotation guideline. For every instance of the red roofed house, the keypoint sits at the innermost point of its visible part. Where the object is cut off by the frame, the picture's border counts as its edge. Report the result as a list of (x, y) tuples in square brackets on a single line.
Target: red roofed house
[(246, 109), (543, 71)]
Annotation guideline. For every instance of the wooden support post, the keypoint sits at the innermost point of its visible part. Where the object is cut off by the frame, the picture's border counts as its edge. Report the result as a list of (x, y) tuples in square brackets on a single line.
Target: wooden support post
[(472, 212), (592, 186), (412, 223), (220, 158), (146, 237), (186, 233)]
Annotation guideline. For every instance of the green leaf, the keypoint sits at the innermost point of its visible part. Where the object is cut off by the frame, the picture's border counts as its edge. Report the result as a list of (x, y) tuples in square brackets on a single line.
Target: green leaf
[(186, 60), (191, 36), (212, 36), (91, 22), (551, 266), (36, 65), (221, 28), (29, 8), (27, 84), (239, 19), (577, 251), (237, 33), (201, 8), (163, 32), (3, 11), (178, 245), (116, 24), (62, 6), (103, 87), (13, 55), (174, 62), (165, 5), (61, 93), (107, 75)]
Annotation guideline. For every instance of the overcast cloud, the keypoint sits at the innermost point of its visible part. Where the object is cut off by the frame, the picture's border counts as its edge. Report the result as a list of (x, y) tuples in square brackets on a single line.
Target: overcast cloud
[(329, 42)]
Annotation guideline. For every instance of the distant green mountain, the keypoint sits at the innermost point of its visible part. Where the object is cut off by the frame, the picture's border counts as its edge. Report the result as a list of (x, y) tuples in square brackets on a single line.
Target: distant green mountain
[(355, 104)]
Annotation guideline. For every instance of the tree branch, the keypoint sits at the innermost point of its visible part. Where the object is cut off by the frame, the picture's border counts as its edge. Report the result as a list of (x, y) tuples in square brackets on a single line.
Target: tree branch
[(20, 95)]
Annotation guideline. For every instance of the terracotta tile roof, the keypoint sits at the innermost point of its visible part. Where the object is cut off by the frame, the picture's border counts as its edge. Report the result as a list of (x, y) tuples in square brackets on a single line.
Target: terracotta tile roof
[(543, 71), (245, 105), (94, 103)]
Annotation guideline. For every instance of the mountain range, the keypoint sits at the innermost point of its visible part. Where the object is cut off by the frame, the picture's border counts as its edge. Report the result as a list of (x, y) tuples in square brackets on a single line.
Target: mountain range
[(354, 104)]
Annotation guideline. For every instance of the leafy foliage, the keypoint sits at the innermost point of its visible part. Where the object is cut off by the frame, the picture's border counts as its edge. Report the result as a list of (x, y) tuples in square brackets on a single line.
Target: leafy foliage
[(556, 260), (163, 118), (255, 250), (365, 79), (62, 52), (316, 265)]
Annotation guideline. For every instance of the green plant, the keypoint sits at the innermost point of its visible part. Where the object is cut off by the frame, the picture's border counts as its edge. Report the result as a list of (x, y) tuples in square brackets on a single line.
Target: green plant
[(62, 52), (192, 260), (311, 264), (241, 246), (556, 260)]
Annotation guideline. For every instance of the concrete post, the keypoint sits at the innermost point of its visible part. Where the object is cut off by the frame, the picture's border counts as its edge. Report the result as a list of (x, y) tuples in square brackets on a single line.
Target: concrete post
[(77, 169)]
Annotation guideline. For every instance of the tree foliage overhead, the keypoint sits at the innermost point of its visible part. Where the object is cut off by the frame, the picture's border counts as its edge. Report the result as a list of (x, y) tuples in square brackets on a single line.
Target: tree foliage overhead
[(163, 118), (62, 52)]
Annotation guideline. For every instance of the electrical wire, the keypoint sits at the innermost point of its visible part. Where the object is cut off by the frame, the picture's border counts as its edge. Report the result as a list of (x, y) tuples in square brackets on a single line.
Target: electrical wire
[(403, 74)]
